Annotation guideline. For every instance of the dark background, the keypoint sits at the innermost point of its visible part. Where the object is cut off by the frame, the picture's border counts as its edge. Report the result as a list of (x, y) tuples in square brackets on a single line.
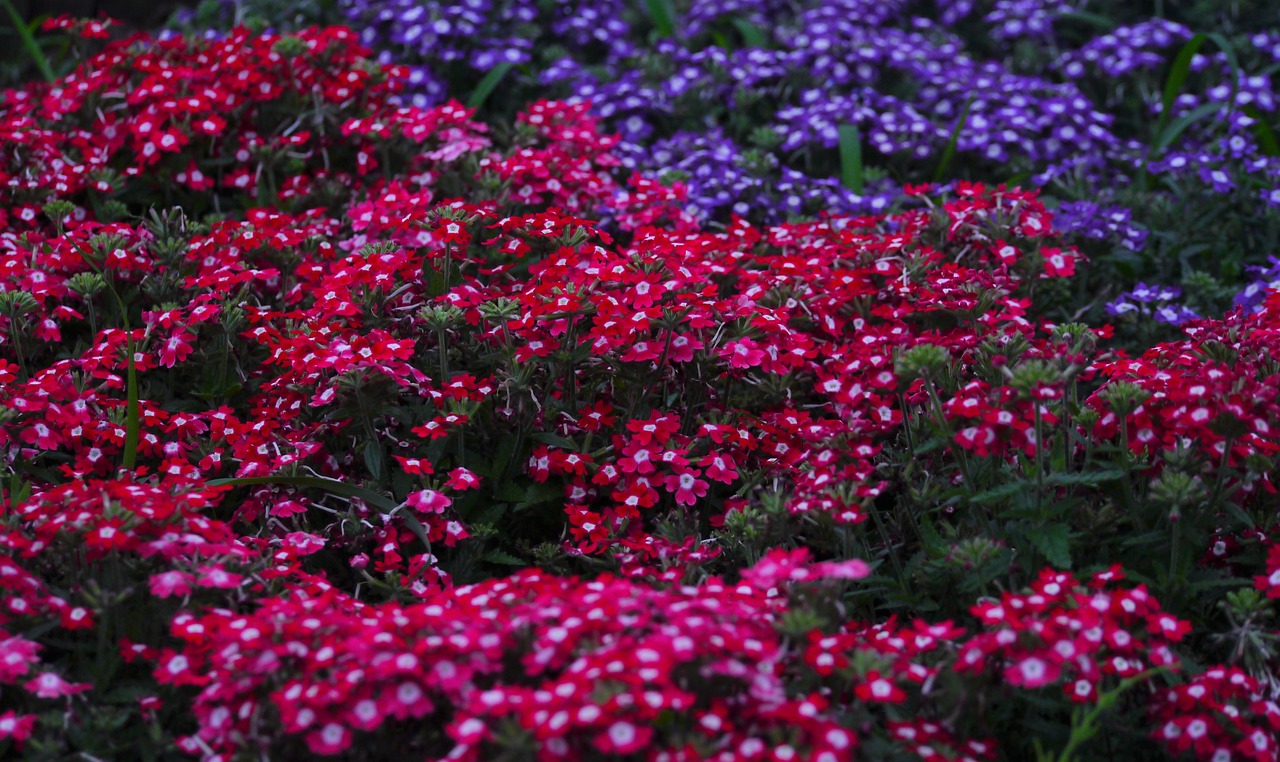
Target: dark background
[(137, 13)]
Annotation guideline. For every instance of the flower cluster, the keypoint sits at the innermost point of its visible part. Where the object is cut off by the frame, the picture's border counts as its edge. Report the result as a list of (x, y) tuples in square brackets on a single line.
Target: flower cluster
[(1152, 302), (1087, 638), (299, 383)]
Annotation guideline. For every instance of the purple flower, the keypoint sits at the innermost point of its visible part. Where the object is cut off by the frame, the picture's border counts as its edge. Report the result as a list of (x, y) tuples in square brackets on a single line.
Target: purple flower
[(1264, 278), (1155, 301), (1218, 178), (1174, 314)]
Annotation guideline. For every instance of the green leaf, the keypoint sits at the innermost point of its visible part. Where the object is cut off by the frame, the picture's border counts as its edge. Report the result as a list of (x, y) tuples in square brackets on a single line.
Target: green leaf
[(929, 536), (497, 468), (555, 440), (502, 557), (1006, 490), (1089, 478), (1233, 64), (538, 494), (29, 42), (950, 150), (662, 17), (1262, 132), (752, 37), (374, 459), (1170, 133), (488, 83), (1178, 73), (1053, 542), (133, 421), (851, 173), (511, 492)]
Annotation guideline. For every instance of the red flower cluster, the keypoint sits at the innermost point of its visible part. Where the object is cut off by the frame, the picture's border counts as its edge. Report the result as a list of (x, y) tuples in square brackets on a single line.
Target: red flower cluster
[(1081, 636)]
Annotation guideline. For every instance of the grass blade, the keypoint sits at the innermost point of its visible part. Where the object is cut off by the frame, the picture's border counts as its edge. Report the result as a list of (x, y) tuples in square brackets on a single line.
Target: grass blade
[(1233, 64), (1178, 75), (488, 84), (851, 173), (133, 422), (29, 42), (1171, 132), (1263, 133), (950, 150)]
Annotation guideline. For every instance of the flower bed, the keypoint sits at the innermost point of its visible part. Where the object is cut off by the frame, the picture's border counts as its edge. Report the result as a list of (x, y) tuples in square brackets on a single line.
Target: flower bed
[(337, 425)]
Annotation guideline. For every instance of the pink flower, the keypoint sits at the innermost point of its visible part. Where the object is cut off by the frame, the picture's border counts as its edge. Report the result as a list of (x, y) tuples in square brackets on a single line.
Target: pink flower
[(170, 583), (304, 543), (743, 353), (50, 685), (462, 479), (428, 501)]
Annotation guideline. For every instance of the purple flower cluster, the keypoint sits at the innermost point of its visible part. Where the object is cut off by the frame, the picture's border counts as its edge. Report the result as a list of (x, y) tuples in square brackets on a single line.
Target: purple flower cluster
[(1027, 19), (600, 24), (1140, 47), (1007, 117), (1097, 222), (1011, 19), (909, 75), (1263, 278), (445, 32), (430, 36), (1156, 302), (889, 125), (723, 178), (1267, 43)]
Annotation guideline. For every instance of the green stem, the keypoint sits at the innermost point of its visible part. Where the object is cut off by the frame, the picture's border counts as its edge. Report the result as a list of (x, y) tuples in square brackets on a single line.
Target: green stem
[(662, 362), (17, 347), (132, 417), (1222, 469), (1084, 725), (888, 546), (1039, 459)]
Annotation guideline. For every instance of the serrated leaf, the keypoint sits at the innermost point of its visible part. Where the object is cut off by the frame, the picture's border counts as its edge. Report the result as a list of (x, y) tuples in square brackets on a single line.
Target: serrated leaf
[(930, 538), (1089, 478), (540, 494), (497, 468), (501, 557), (555, 440), (491, 513), (1008, 489), (1054, 543), (930, 444)]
